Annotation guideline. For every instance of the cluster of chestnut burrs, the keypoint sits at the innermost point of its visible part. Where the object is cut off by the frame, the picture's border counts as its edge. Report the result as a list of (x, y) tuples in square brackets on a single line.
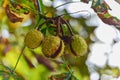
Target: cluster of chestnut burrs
[(55, 45)]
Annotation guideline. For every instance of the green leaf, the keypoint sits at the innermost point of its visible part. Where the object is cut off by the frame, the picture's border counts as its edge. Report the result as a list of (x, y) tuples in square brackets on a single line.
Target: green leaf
[(107, 15), (6, 78), (7, 73), (41, 6), (1, 2), (43, 30), (74, 78), (28, 3), (3, 67), (65, 30), (51, 30), (3, 73), (68, 76), (16, 77)]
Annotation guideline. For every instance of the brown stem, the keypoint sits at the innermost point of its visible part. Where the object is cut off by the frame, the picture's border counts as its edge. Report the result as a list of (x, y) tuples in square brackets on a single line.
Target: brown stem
[(39, 10), (58, 26), (68, 25)]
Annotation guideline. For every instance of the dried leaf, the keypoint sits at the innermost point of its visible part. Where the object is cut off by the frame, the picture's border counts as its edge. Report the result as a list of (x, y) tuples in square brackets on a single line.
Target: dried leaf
[(18, 8), (101, 8), (109, 19), (28, 61), (4, 40), (13, 18), (44, 61), (6, 49), (85, 1)]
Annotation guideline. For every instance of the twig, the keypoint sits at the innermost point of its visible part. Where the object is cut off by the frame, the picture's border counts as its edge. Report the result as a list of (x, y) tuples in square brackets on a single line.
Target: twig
[(66, 4), (76, 12), (18, 59), (58, 26), (39, 8), (68, 25)]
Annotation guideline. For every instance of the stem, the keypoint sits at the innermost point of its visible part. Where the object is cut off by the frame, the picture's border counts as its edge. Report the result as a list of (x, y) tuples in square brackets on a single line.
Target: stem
[(68, 25), (42, 6), (58, 27), (18, 59), (39, 8), (75, 12)]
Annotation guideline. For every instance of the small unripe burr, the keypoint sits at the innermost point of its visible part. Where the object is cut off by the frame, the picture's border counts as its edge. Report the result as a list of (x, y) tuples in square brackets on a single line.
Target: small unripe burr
[(33, 39), (77, 46), (52, 47)]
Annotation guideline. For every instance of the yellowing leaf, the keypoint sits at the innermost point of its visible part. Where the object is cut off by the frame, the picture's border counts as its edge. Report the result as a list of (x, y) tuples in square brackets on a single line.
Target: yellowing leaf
[(13, 18)]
